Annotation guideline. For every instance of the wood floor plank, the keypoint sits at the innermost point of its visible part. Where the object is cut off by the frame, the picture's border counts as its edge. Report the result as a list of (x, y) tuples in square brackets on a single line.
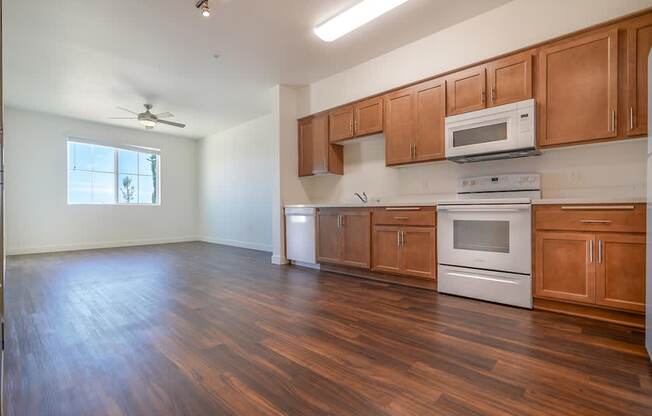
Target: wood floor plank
[(203, 329)]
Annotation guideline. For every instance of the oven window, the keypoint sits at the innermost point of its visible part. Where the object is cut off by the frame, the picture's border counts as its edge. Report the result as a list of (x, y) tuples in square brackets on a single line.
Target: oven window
[(477, 135), (491, 236)]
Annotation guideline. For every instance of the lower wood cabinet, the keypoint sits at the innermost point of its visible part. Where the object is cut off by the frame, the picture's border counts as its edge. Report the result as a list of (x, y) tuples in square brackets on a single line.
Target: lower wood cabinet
[(581, 256), (343, 237), (399, 247)]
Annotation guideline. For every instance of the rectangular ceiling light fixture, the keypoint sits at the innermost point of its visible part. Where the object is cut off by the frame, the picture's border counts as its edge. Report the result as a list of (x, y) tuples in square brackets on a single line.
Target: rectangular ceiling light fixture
[(353, 18)]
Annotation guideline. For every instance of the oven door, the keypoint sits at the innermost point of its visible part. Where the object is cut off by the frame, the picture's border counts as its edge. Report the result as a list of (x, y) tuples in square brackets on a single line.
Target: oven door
[(489, 237)]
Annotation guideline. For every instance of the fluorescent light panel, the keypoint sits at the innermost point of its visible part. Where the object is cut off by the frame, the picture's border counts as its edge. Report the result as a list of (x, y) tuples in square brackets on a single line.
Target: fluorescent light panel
[(353, 18)]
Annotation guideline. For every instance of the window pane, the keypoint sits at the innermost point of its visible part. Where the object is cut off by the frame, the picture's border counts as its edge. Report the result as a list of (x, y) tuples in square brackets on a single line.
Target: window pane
[(104, 188), (146, 193), (80, 156), (128, 189), (79, 187), (145, 164), (128, 162), (103, 159)]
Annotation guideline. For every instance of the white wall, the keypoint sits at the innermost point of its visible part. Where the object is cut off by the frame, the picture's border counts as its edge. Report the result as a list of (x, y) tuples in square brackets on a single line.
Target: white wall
[(38, 218), (617, 168), (236, 185)]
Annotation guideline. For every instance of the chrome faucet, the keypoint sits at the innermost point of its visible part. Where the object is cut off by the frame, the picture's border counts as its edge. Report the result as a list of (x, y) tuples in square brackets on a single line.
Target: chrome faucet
[(362, 198)]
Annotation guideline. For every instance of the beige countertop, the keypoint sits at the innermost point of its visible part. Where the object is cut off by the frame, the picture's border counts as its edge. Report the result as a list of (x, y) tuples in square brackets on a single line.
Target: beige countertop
[(571, 201)]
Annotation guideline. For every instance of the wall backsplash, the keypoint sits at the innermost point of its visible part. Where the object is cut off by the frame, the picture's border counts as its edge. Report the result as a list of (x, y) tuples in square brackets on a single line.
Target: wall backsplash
[(612, 169)]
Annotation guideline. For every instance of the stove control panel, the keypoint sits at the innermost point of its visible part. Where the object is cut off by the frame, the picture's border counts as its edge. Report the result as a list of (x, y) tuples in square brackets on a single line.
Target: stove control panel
[(500, 183)]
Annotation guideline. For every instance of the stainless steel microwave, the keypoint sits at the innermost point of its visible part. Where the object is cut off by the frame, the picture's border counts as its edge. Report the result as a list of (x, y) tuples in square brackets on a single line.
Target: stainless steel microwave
[(506, 131)]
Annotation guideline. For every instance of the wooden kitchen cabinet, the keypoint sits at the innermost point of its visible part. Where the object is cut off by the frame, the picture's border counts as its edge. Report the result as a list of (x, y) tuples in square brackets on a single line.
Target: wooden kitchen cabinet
[(343, 237), (578, 89), (368, 116), (510, 79), (404, 241), (386, 246), (639, 41), (591, 255), (317, 155), (620, 271), (305, 147), (341, 123), (564, 266), (466, 90), (414, 130)]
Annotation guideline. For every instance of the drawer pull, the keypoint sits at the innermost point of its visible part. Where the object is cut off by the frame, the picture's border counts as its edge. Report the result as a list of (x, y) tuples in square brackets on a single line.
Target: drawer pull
[(402, 209), (401, 218), (595, 221), (597, 208)]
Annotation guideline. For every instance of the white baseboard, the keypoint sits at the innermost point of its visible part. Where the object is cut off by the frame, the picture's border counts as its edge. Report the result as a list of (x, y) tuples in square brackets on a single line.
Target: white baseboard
[(89, 246), (279, 260), (236, 243)]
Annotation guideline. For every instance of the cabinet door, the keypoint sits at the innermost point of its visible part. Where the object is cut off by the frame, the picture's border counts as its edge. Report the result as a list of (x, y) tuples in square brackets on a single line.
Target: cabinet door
[(430, 114), (386, 241), (578, 95), (341, 123), (399, 126), (305, 147), (369, 116), (466, 91), (320, 144), (510, 79), (620, 271), (328, 236), (564, 266), (356, 238), (418, 252), (639, 41)]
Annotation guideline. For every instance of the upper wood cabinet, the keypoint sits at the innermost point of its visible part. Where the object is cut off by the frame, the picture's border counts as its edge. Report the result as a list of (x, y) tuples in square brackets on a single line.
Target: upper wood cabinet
[(305, 147), (344, 237), (578, 89), (414, 126), (466, 90), (639, 41), (510, 79), (316, 154), (368, 116), (341, 123)]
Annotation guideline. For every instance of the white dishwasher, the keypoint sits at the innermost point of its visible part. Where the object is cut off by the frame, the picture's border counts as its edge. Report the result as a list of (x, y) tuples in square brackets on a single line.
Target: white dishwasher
[(300, 236)]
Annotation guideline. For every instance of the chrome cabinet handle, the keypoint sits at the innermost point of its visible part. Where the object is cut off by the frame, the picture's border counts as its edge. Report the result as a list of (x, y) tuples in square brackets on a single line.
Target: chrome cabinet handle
[(600, 251), (401, 218), (402, 238), (613, 120), (483, 97), (493, 95), (597, 207), (595, 221), (631, 118), (398, 238), (590, 251)]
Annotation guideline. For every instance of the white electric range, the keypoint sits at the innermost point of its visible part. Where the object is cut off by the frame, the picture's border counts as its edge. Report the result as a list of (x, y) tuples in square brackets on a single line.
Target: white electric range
[(484, 239)]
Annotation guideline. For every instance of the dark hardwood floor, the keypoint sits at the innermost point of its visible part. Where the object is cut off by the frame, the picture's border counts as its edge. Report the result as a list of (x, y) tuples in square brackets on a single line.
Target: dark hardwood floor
[(201, 329)]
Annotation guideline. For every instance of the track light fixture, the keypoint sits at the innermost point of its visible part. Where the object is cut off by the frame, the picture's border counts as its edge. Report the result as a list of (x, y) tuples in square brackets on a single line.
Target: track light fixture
[(204, 7)]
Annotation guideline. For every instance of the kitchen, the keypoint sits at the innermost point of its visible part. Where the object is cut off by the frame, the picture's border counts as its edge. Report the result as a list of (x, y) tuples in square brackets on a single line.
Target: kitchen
[(495, 230)]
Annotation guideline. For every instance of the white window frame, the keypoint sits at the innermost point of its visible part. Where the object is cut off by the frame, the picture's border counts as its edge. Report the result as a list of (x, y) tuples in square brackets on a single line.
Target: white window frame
[(115, 148)]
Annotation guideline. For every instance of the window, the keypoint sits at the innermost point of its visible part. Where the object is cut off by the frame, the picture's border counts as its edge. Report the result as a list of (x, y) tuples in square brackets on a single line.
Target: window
[(100, 174)]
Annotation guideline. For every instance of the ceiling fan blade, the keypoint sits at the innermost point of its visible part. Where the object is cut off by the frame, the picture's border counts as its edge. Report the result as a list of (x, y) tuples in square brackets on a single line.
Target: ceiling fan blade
[(164, 115), (171, 123), (123, 118), (127, 110)]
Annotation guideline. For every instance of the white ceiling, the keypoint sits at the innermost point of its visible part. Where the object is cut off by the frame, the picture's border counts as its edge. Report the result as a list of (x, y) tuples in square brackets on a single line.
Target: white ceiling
[(82, 58)]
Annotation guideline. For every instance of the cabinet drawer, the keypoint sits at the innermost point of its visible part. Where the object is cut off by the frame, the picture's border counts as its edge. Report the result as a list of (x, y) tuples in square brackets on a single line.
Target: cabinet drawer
[(415, 216), (626, 218)]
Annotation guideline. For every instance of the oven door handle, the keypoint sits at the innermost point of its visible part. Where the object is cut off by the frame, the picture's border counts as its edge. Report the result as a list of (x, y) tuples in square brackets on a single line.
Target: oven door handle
[(483, 208)]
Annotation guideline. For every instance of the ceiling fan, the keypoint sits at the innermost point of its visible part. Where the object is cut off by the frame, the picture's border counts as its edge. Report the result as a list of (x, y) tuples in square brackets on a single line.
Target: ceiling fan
[(148, 119)]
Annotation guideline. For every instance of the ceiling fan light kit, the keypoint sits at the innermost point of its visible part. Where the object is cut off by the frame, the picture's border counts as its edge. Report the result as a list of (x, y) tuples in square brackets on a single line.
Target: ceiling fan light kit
[(204, 7)]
